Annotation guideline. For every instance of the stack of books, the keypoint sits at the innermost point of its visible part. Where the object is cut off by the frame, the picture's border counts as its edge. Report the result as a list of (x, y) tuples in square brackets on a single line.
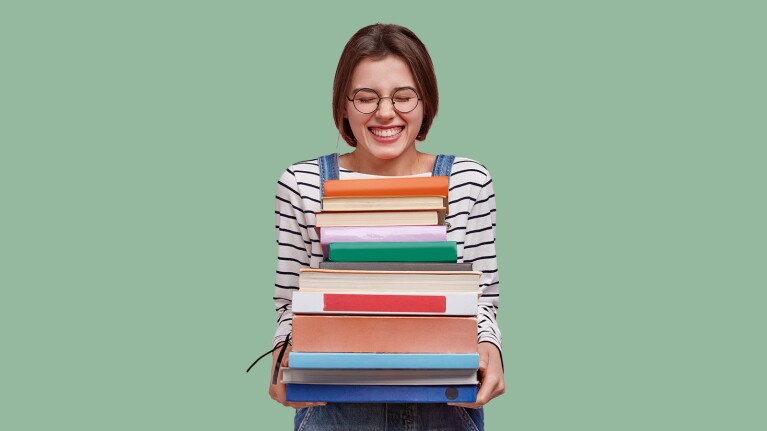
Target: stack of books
[(390, 316)]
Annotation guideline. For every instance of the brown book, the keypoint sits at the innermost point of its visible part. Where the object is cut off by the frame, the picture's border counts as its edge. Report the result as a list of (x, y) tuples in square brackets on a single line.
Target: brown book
[(384, 334)]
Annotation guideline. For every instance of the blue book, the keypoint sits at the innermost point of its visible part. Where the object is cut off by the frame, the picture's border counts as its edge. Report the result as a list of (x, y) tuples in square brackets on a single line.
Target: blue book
[(434, 361), (381, 394)]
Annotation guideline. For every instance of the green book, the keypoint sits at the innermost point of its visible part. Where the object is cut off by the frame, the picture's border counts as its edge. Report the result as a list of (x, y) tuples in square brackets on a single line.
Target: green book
[(426, 251)]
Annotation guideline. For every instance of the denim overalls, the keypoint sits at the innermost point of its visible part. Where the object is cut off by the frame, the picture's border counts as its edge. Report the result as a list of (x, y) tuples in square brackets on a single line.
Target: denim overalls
[(386, 416)]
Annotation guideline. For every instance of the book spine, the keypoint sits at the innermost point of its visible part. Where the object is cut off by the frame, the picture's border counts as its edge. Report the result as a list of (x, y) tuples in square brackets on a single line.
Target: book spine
[(380, 234), (382, 303), (431, 251), (379, 218), (324, 280), (384, 334), (383, 360), (383, 234), (428, 186), (381, 394), (386, 377), (449, 304), (396, 266)]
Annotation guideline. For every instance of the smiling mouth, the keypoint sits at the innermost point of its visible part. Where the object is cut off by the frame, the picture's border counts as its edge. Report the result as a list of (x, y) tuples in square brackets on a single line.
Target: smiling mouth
[(387, 132)]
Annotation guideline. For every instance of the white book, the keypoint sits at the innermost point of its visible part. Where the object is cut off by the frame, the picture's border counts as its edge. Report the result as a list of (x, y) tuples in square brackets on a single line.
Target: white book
[(327, 280)]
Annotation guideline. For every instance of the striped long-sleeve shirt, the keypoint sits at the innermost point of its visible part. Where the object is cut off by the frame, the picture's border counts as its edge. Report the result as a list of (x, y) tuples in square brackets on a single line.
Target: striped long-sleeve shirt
[(471, 215)]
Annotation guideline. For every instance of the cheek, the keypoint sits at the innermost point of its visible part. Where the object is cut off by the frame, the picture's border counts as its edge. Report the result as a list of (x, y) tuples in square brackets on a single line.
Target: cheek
[(416, 122)]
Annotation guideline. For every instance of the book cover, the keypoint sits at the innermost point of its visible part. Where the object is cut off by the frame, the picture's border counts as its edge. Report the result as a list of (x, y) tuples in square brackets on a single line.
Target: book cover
[(447, 304), (383, 360), (380, 218), (378, 203), (422, 251), (384, 334), (417, 186), (381, 394), (329, 280), (397, 266), (387, 377)]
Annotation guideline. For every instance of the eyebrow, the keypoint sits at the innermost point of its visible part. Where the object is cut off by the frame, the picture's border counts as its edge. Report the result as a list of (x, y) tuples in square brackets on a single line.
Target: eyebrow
[(393, 91)]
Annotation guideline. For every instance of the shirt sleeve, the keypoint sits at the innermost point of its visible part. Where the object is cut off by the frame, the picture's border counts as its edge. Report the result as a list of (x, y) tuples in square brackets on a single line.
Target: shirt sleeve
[(293, 250), (479, 249)]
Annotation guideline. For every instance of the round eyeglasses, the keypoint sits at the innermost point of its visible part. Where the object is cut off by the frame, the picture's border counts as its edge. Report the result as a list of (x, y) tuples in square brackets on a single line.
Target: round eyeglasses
[(366, 100)]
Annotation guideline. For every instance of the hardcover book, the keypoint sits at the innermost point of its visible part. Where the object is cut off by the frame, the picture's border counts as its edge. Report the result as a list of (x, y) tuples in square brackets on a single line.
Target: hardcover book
[(445, 304), (380, 234), (396, 266), (417, 186), (388, 377), (327, 280), (316, 360), (380, 218), (422, 251), (380, 203), (381, 394), (384, 334)]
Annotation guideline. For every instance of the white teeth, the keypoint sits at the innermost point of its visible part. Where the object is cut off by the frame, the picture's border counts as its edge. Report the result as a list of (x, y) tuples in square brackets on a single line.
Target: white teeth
[(386, 133)]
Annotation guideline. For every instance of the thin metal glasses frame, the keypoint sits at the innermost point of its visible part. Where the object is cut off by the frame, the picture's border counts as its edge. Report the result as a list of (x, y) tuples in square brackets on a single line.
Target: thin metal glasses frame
[(378, 104)]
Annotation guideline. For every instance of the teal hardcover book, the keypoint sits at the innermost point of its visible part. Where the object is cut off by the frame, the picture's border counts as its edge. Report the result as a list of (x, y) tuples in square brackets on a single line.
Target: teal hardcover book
[(426, 251)]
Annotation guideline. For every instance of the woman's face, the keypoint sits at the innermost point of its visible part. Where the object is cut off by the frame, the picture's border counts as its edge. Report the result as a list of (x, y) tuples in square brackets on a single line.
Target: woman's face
[(385, 133)]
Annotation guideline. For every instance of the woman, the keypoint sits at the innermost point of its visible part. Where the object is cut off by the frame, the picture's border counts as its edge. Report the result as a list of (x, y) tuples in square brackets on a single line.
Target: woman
[(384, 101)]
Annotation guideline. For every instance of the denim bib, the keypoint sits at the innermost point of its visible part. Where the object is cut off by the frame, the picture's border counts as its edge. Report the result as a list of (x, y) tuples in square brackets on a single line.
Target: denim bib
[(329, 168)]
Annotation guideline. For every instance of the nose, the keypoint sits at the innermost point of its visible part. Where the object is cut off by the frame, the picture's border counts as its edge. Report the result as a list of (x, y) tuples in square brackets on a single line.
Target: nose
[(385, 108)]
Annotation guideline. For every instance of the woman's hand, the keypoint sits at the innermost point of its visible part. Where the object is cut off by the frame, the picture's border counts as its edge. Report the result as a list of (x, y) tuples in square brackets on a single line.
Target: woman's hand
[(277, 391), (491, 382)]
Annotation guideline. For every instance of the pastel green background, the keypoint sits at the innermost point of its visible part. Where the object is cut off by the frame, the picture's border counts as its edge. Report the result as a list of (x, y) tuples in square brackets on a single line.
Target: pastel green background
[(141, 142)]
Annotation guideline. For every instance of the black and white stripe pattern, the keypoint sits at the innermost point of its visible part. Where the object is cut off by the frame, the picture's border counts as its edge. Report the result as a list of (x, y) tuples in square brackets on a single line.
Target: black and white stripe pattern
[(472, 225)]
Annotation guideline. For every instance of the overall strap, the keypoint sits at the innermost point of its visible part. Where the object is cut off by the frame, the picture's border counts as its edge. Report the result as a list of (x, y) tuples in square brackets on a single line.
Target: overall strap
[(328, 170), (442, 165)]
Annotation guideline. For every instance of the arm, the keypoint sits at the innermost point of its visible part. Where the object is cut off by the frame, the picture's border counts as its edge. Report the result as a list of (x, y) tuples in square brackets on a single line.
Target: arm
[(293, 253), (479, 249)]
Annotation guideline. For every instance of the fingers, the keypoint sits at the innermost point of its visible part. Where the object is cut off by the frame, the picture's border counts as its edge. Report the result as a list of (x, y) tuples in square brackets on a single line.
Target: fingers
[(277, 393), (486, 393), (284, 362), (484, 359), (302, 405), (491, 382), (466, 405)]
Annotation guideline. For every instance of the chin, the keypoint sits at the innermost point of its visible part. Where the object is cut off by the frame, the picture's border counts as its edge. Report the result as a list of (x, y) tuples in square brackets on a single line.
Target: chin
[(387, 153)]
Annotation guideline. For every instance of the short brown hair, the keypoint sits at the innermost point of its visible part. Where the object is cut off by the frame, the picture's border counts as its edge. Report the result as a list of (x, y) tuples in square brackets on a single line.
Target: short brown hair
[(377, 41)]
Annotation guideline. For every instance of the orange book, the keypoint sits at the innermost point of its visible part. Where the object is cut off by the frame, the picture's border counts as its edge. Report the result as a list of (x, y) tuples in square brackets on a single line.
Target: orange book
[(416, 186), (384, 334)]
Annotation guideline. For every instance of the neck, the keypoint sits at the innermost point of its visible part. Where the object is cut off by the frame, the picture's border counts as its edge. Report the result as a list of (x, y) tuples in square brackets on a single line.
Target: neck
[(408, 163)]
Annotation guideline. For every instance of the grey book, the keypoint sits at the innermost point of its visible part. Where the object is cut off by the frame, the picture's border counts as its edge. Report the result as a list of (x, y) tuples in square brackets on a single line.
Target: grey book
[(379, 377)]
